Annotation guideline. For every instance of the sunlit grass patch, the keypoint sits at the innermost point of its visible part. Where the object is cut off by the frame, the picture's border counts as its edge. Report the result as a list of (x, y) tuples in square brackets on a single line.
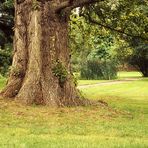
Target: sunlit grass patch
[(130, 74)]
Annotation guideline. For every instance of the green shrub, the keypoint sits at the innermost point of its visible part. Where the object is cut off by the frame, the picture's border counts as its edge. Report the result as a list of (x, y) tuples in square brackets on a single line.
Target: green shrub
[(95, 69), (60, 72), (5, 60)]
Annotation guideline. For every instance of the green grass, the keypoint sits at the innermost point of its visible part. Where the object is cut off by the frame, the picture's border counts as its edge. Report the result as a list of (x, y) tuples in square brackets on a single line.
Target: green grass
[(2, 82), (130, 92), (130, 74), (122, 125)]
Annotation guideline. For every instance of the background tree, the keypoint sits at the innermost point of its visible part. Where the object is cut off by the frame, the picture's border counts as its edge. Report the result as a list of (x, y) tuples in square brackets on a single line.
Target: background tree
[(101, 62), (139, 56), (81, 40)]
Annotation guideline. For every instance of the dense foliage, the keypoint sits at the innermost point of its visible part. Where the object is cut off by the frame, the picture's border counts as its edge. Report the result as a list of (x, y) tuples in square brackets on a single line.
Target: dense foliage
[(6, 34), (125, 20), (101, 63), (6, 22)]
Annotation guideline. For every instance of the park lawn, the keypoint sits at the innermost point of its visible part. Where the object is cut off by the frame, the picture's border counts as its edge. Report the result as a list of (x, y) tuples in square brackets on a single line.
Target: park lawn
[(124, 124), (130, 96)]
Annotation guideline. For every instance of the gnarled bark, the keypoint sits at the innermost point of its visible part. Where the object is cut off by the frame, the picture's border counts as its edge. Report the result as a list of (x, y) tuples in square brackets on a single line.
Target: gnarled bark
[(40, 71)]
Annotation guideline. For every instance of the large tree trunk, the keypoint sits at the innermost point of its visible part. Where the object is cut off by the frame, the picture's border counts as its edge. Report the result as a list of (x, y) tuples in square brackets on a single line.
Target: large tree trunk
[(40, 71)]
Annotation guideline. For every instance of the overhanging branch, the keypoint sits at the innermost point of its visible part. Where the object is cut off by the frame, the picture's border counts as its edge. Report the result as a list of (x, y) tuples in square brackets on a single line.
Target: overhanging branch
[(91, 20), (71, 4), (63, 5)]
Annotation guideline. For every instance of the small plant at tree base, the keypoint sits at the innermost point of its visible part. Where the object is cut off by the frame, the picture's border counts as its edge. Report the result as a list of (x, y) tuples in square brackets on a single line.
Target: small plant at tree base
[(60, 72), (35, 5), (16, 72), (75, 80)]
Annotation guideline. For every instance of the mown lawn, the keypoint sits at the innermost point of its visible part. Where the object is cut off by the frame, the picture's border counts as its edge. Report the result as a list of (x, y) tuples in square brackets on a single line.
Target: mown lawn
[(124, 124)]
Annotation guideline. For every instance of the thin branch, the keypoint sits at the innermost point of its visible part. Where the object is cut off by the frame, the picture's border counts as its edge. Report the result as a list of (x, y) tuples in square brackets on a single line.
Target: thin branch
[(91, 20)]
